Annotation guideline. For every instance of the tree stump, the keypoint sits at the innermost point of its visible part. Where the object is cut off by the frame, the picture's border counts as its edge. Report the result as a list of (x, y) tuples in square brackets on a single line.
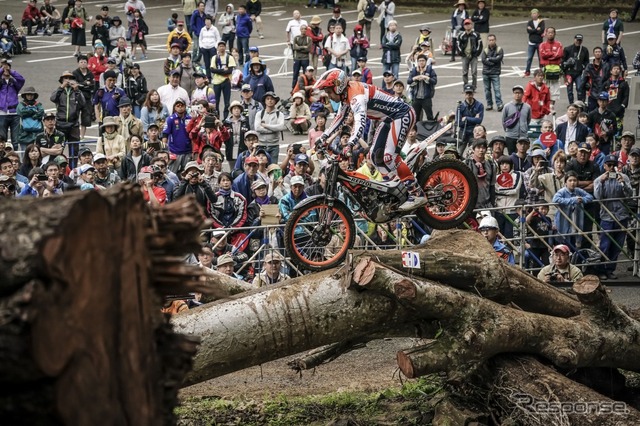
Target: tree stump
[(82, 338)]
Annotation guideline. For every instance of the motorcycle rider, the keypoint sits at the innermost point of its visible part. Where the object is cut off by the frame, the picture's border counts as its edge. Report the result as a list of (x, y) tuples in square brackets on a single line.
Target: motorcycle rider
[(367, 101)]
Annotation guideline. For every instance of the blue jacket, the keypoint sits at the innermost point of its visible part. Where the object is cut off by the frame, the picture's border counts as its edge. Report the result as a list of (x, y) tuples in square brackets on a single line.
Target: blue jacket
[(422, 89), (196, 23), (9, 90), (581, 131), (287, 204), (503, 252), (260, 85), (242, 185), (244, 26), (470, 111), (568, 203), (109, 101), (175, 130)]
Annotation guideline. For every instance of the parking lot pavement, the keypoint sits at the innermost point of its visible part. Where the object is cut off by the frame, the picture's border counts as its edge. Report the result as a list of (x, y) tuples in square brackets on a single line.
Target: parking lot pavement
[(52, 55)]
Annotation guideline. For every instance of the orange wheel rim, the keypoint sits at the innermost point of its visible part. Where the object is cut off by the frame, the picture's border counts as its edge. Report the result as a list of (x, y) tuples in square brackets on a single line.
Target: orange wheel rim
[(453, 184), (338, 217)]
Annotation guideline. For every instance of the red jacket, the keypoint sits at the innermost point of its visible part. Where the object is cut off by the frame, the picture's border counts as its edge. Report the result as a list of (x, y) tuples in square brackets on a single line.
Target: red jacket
[(551, 53), (97, 66), (538, 99), (200, 138), (31, 12)]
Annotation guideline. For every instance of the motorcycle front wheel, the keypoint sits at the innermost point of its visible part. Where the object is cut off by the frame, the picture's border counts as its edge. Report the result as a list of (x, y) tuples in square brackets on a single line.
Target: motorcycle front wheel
[(318, 236), (452, 190)]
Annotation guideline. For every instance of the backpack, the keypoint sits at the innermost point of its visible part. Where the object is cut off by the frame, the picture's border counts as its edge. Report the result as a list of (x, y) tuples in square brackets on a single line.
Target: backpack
[(30, 124), (370, 9), (277, 116)]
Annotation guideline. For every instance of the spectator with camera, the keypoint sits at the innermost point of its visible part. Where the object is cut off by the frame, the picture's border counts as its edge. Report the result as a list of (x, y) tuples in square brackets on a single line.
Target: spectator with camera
[(561, 270), (614, 214), (8, 186), (193, 183), (603, 122)]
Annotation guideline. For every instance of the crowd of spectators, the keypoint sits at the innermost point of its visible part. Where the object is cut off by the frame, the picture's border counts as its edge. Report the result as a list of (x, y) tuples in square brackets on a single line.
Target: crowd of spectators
[(175, 137)]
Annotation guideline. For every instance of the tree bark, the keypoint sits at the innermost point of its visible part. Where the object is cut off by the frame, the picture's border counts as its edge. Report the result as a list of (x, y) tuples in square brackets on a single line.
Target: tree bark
[(82, 339), (464, 259)]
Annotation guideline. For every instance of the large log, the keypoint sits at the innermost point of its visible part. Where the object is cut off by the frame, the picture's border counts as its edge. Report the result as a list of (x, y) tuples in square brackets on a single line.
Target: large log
[(465, 260), (82, 339)]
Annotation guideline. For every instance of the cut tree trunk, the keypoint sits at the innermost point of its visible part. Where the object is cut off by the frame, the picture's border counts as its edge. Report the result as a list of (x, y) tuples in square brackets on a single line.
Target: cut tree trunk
[(82, 339)]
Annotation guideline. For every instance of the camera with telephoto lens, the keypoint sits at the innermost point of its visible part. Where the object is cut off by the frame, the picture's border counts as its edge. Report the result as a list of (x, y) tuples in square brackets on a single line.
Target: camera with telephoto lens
[(11, 187), (569, 64)]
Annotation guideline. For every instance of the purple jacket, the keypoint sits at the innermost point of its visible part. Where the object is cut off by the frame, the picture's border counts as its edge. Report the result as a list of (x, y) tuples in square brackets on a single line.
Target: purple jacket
[(9, 92)]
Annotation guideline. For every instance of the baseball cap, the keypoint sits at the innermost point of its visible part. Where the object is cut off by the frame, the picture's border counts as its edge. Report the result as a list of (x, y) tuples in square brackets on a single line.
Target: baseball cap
[(628, 134), (302, 158), (611, 36), (99, 156), (563, 248), (85, 168), (251, 160), (49, 115), (175, 45), (635, 151), (297, 180), (498, 138), (467, 21), (246, 88), (604, 96), (180, 22), (356, 72), (517, 87), (478, 142), (362, 59), (111, 60), (179, 101), (610, 159), (468, 88), (274, 255), (578, 37), (310, 68), (538, 153), (254, 49), (61, 159), (387, 73), (259, 183), (583, 146), (524, 140), (225, 259), (84, 150), (251, 133)]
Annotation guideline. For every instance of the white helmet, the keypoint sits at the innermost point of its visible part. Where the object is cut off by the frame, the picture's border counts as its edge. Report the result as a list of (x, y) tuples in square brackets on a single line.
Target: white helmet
[(488, 222)]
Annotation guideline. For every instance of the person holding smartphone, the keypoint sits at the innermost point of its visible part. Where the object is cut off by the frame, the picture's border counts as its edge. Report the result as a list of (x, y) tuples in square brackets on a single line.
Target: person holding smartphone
[(614, 215)]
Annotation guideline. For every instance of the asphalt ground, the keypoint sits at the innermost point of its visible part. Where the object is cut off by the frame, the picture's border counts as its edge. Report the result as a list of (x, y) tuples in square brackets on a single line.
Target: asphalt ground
[(53, 55)]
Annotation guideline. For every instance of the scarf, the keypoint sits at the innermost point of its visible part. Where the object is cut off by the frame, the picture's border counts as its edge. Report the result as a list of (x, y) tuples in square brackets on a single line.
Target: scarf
[(261, 201), (126, 122), (612, 23)]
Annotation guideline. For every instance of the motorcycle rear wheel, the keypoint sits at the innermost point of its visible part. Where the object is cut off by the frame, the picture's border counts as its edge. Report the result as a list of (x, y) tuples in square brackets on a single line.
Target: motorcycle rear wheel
[(459, 186), (312, 228)]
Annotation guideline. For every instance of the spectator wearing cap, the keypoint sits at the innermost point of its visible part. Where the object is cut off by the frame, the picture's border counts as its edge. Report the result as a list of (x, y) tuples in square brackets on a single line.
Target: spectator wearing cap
[(69, 101), (255, 211), (572, 129), (304, 86), (272, 271), (458, 17), (439, 151), (176, 136), (594, 78), (202, 90), (104, 177), (423, 37), (172, 61), (86, 82), (561, 270), (470, 47), (470, 114), (480, 18), (222, 66), (99, 32), (229, 210), (136, 89), (299, 115), (250, 106), (356, 75), (521, 160), (575, 59), (10, 85), (192, 183), (181, 37), (300, 170), (85, 156), (294, 196), (301, 46), (270, 124), (422, 83), (315, 32), (387, 82), (111, 143), (208, 43), (535, 29), (128, 124), (238, 128), (86, 175), (244, 28), (97, 64), (618, 90), (254, 52), (492, 57), (627, 140), (365, 72), (613, 25), (537, 95), (539, 166), (116, 31), (259, 82), (242, 183), (50, 141), (603, 122), (112, 65), (31, 112), (337, 18), (171, 92), (391, 44), (398, 91), (224, 264), (614, 214), (516, 117), (337, 46), (359, 46)]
